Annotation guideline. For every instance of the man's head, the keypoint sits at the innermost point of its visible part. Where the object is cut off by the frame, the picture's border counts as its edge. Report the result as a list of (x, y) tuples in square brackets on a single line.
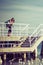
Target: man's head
[(12, 20)]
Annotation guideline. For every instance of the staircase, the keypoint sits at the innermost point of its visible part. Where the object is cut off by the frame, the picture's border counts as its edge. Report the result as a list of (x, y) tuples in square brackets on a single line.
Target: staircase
[(30, 40)]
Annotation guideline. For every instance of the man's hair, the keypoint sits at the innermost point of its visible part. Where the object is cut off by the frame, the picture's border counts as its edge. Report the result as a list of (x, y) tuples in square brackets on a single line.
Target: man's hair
[(12, 20)]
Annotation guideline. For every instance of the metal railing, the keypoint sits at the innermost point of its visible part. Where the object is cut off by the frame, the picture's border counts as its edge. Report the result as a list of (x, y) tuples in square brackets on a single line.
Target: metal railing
[(37, 33), (7, 45), (18, 29)]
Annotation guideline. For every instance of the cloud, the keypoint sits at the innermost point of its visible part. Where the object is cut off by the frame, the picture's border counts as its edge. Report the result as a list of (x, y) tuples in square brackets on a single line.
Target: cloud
[(34, 8), (22, 8)]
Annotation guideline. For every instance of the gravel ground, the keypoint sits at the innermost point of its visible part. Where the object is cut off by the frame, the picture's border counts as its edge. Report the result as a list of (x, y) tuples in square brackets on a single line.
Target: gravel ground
[(37, 61)]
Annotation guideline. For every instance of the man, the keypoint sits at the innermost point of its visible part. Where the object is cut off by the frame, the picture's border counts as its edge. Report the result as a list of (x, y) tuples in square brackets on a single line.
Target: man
[(9, 24)]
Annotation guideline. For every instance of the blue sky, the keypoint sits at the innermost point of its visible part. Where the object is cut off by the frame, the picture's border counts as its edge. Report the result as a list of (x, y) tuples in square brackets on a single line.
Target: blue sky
[(24, 11)]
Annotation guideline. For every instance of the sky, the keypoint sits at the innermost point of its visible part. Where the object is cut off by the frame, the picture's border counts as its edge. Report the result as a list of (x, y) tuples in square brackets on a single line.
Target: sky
[(23, 11)]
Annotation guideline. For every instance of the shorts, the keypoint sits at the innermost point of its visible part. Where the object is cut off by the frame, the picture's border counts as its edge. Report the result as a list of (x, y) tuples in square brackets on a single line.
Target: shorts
[(9, 31)]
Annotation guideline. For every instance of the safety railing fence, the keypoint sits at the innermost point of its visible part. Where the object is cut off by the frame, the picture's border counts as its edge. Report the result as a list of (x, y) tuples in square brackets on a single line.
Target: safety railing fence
[(37, 30), (17, 29), (3, 45), (20, 30), (37, 33)]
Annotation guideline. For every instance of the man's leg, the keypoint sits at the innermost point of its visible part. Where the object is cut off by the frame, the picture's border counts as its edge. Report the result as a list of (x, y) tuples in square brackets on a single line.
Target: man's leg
[(9, 32)]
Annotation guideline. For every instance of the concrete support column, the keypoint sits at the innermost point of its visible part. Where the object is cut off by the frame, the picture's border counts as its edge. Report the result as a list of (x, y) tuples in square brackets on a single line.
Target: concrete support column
[(25, 57), (36, 52), (4, 57), (30, 41), (30, 46), (13, 55), (0, 60)]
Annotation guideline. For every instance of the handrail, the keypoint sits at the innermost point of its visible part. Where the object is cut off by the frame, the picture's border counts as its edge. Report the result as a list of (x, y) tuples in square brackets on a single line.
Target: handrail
[(23, 30), (16, 23), (28, 27), (36, 32), (19, 27)]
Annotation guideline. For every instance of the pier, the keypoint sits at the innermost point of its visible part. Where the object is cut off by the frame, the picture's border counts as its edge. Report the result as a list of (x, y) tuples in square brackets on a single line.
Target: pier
[(23, 41)]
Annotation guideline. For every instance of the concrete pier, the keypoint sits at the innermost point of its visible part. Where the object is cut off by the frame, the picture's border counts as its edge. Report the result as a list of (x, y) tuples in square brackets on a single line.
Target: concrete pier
[(0, 60), (36, 52), (25, 57), (4, 57)]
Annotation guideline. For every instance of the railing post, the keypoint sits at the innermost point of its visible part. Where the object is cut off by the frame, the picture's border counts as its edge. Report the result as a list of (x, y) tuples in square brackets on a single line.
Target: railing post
[(30, 41), (30, 45)]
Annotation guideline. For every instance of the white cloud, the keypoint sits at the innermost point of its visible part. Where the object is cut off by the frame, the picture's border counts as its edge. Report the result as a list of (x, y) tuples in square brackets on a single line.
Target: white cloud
[(34, 8)]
